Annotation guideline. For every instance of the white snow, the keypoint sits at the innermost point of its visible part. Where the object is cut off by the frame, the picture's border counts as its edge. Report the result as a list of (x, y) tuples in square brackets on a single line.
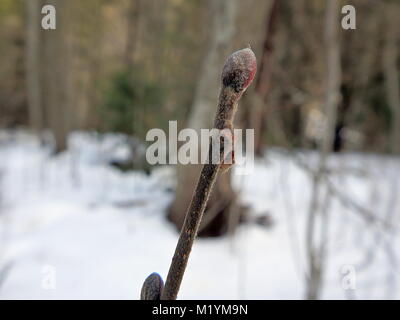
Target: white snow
[(73, 227)]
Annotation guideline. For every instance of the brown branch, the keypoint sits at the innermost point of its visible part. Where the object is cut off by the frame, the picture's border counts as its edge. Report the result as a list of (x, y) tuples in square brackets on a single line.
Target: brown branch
[(237, 74)]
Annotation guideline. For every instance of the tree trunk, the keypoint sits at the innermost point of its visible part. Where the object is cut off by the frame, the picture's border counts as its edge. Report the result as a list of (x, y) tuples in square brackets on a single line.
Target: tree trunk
[(263, 83), (132, 31), (202, 112), (391, 72), (57, 90), (32, 57)]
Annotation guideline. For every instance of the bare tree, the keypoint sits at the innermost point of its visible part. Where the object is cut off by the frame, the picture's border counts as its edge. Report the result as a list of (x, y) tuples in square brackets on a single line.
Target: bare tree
[(132, 30), (56, 82), (263, 82), (32, 57), (391, 71), (319, 203)]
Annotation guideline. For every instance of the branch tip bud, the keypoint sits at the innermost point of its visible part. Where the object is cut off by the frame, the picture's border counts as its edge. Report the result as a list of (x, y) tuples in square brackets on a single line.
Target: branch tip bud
[(239, 70)]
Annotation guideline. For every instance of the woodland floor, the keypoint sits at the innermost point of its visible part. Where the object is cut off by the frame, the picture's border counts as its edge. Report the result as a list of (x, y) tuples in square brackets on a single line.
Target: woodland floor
[(103, 231)]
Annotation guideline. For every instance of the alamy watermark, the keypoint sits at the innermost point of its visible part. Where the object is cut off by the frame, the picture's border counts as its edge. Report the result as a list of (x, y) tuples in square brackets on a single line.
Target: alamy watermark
[(49, 18), (349, 20), (195, 147)]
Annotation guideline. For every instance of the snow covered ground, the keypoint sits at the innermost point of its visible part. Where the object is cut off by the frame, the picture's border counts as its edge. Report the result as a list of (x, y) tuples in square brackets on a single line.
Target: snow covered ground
[(73, 227)]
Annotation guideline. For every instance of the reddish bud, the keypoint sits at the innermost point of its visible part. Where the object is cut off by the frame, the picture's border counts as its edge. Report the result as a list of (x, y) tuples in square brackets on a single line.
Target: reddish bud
[(239, 70)]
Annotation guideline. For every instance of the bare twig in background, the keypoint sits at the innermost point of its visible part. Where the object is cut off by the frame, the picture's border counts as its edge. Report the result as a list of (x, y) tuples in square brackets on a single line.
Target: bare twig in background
[(316, 252), (383, 240), (5, 267), (4, 271), (263, 83), (367, 214), (291, 218)]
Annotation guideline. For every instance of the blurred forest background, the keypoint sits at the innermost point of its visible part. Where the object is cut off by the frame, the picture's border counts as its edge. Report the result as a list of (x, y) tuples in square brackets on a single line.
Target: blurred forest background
[(128, 66)]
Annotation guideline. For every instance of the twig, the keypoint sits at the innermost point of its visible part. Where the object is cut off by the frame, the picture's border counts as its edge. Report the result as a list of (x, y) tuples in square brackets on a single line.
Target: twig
[(152, 287), (237, 74)]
